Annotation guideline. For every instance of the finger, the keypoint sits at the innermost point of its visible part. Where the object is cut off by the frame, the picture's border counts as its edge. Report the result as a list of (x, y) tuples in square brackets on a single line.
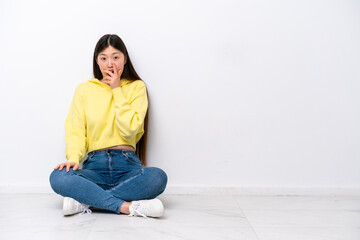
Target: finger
[(76, 167), (106, 82), (61, 167), (68, 168), (115, 68), (110, 73), (107, 78), (57, 166)]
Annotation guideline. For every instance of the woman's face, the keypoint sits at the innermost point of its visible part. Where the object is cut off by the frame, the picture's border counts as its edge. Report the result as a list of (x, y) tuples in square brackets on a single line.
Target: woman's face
[(109, 57)]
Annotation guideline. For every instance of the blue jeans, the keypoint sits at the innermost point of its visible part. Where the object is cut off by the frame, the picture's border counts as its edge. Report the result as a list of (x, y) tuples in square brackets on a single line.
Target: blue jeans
[(108, 178)]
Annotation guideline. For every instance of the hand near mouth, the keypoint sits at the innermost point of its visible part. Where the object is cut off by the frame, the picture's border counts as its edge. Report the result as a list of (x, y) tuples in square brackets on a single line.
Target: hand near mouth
[(113, 77)]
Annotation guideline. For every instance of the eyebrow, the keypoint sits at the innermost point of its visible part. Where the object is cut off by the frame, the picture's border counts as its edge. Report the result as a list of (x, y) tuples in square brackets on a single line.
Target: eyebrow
[(111, 54)]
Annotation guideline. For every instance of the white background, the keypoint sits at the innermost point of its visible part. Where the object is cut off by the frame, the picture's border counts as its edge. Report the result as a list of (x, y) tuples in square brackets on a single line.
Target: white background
[(243, 94)]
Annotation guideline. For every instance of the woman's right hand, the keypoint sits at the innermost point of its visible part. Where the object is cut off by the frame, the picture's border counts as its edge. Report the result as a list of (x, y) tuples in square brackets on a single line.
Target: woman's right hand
[(68, 165)]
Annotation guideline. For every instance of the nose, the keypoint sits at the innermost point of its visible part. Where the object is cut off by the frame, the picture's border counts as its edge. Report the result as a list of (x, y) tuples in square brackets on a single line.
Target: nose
[(110, 62)]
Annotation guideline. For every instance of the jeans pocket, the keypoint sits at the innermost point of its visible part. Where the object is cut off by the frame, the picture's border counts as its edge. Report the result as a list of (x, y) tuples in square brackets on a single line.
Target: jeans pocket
[(132, 157), (90, 155)]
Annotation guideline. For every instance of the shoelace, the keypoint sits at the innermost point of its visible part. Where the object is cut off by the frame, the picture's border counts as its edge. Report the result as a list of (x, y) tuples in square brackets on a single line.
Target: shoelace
[(138, 211), (85, 209)]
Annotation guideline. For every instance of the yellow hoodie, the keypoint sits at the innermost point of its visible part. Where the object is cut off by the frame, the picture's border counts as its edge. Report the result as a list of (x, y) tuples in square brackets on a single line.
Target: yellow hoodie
[(101, 117)]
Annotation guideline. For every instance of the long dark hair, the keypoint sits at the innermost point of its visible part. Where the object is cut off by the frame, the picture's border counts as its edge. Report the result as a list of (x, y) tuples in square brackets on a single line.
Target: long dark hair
[(128, 73)]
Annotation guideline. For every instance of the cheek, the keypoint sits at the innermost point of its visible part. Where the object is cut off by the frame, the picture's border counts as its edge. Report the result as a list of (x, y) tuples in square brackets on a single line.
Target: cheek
[(102, 66), (120, 64)]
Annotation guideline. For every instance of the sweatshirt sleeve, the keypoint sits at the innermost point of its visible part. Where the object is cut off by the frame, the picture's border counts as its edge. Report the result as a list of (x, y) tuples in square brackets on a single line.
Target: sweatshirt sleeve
[(75, 129), (130, 114)]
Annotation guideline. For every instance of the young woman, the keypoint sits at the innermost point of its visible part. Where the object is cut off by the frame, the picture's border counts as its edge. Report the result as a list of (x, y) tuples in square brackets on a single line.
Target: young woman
[(106, 120)]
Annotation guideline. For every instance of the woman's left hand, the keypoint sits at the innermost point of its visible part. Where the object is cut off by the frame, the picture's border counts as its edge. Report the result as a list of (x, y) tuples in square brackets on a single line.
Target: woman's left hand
[(113, 78)]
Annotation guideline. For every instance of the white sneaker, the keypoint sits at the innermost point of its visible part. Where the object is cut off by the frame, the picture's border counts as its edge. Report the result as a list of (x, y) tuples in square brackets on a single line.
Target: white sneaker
[(146, 208), (71, 206)]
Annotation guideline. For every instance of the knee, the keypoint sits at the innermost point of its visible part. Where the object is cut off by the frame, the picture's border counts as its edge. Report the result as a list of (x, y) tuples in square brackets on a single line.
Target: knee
[(159, 178), (59, 179)]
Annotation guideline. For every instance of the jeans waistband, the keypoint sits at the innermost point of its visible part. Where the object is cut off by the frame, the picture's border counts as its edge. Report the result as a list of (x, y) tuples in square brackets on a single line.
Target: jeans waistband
[(111, 151)]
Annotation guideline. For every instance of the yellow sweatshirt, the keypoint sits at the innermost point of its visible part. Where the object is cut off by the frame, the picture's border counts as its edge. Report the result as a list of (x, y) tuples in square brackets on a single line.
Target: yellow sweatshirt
[(101, 117)]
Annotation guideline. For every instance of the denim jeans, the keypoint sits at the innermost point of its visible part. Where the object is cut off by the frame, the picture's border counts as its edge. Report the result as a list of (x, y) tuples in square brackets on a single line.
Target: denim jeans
[(108, 178)]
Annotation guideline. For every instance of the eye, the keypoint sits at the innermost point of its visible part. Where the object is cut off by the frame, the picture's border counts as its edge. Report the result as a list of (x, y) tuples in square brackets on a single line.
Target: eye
[(116, 58), (102, 59)]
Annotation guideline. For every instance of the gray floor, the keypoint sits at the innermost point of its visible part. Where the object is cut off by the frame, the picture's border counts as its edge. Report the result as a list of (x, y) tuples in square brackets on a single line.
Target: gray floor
[(38, 216)]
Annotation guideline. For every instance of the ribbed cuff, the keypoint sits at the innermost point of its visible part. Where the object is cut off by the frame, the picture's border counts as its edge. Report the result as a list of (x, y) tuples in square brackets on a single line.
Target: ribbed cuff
[(74, 159)]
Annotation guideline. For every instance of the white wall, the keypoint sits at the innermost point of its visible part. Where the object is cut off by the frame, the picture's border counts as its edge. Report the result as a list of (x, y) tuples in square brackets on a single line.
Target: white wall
[(243, 94)]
